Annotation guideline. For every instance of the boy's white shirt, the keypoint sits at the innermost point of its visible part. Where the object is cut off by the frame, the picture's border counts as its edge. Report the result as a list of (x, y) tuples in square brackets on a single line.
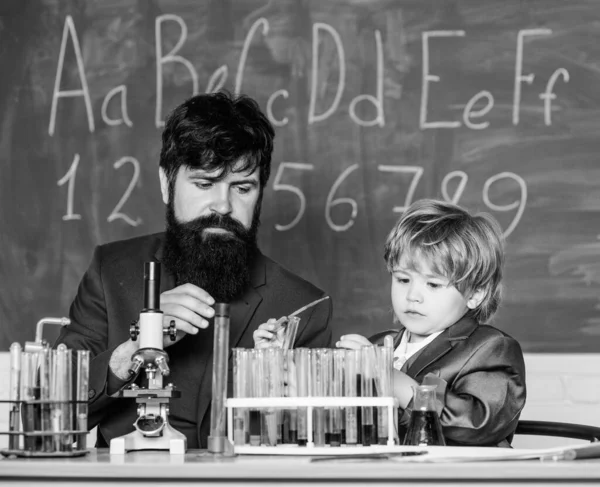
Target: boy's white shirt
[(406, 350)]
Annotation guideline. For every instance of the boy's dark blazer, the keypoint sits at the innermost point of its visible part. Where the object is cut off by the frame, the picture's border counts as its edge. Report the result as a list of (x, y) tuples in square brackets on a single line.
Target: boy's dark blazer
[(480, 374), (110, 297)]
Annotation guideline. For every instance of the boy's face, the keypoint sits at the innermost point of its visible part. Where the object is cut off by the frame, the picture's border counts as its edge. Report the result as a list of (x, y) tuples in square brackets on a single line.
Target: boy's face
[(424, 302)]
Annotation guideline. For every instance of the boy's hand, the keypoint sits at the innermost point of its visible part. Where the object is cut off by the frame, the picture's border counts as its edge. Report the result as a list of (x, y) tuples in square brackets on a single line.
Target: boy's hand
[(402, 386), (264, 336), (353, 342)]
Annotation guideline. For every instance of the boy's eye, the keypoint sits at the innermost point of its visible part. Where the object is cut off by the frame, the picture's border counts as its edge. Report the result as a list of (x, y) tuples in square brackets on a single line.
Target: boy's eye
[(243, 189), (435, 285), (203, 184), (402, 280)]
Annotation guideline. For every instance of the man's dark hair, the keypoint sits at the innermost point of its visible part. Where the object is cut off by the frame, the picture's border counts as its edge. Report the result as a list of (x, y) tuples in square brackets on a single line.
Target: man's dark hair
[(214, 131)]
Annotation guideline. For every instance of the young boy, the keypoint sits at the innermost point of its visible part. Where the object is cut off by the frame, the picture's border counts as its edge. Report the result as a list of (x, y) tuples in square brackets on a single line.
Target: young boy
[(446, 268)]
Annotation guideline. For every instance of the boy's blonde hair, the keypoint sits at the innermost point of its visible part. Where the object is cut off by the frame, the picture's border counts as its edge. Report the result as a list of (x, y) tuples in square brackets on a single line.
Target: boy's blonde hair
[(466, 249)]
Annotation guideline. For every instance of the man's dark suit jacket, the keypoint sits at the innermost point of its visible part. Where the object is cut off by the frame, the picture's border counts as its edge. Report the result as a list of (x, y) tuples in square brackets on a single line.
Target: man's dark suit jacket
[(110, 297), (480, 377)]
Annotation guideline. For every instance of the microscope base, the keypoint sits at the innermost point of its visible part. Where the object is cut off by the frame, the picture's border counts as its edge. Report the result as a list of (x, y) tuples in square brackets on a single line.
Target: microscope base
[(170, 439)]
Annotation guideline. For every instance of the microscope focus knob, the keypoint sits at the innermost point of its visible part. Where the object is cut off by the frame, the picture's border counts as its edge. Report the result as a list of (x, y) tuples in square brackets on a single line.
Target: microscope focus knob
[(172, 331), (134, 330)]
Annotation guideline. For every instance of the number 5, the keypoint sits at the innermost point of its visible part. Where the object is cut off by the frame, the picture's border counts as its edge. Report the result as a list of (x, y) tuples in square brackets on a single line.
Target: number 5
[(277, 186)]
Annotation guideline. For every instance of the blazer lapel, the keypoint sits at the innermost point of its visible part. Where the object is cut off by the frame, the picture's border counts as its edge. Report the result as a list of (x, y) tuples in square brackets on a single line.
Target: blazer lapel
[(441, 345), (426, 356)]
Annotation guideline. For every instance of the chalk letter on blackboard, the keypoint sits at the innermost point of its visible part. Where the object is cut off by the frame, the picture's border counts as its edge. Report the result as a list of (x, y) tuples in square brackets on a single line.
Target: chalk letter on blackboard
[(217, 80), (468, 114), (84, 91), (122, 90), (423, 123), (315, 71), (378, 102), (169, 58), (519, 78), (549, 95), (240, 72), (274, 121)]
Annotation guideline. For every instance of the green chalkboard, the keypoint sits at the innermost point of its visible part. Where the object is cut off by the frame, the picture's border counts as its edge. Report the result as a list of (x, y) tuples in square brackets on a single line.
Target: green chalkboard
[(494, 104)]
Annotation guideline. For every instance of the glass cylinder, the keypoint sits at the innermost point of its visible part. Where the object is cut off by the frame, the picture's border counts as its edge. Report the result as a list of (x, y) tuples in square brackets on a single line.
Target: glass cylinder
[(271, 377), (302, 363), (218, 413), (255, 383), (290, 416), (369, 428), (336, 389), (320, 375), (383, 383), (290, 331), (351, 380), (241, 388)]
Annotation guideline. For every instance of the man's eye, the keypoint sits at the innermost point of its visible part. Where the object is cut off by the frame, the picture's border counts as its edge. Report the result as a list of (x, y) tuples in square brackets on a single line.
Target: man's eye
[(202, 184), (243, 189)]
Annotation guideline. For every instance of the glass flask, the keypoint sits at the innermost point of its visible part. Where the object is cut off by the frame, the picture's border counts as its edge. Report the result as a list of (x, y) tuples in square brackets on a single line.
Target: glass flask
[(424, 427)]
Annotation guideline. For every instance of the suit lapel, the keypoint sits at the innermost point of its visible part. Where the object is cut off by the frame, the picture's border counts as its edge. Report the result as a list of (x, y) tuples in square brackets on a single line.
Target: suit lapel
[(440, 346)]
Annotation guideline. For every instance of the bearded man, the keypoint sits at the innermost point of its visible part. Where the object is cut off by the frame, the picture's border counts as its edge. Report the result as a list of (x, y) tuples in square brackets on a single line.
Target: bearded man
[(215, 162)]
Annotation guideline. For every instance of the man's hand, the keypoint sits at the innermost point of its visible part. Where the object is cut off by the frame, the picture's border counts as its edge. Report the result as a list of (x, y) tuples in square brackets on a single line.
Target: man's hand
[(353, 342), (189, 306)]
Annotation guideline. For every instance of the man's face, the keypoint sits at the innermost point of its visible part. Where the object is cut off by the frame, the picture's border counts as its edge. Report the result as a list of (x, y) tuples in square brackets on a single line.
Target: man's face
[(198, 193), (212, 221)]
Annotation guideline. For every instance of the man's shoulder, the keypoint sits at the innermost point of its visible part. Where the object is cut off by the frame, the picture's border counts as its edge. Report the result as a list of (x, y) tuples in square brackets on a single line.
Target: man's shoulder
[(277, 274), (141, 247)]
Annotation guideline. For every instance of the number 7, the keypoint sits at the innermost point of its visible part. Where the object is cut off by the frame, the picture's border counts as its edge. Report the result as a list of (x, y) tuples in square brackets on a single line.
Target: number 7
[(418, 172)]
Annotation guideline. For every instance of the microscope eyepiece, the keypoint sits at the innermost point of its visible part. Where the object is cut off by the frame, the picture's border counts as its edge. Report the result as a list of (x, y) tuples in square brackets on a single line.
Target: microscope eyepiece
[(151, 286)]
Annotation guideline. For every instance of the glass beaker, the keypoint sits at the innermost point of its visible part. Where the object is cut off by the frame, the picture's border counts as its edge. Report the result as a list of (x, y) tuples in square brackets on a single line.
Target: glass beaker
[(424, 427)]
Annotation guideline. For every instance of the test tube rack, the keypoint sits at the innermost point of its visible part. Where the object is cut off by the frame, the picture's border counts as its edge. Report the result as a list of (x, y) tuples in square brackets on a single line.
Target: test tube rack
[(310, 403), (39, 443)]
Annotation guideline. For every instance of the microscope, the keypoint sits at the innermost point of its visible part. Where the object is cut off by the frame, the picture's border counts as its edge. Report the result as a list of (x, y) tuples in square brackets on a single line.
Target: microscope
[(152, 428)]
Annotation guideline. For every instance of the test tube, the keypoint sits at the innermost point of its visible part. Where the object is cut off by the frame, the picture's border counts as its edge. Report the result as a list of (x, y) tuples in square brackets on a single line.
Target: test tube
[(302, 374), (217, 437), (255, 382), (45, 406), (290, 416), (272, 386), (15, 394), (352, 377), (64, 399), (241, 373), (337, 424), (367, 376), (83, 369), (290, 331), (27, 396), (320, 380), (383, 382)]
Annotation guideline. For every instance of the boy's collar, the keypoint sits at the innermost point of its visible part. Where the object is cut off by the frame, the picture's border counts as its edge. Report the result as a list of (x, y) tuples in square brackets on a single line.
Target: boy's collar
[(460, 330)]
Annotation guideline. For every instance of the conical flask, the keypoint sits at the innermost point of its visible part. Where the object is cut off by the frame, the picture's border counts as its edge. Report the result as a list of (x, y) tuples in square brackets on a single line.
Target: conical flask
[(424, 427)]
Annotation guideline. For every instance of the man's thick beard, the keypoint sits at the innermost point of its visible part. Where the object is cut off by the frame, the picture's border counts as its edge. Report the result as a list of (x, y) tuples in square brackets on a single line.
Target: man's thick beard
[(217, 262)]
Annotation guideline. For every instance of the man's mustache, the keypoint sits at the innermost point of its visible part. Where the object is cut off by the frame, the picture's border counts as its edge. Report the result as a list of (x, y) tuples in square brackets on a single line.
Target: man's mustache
[(214, 220)]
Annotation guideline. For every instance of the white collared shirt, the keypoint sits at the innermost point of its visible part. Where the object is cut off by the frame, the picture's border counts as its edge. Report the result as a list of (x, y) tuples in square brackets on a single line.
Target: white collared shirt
[(406, 350)]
